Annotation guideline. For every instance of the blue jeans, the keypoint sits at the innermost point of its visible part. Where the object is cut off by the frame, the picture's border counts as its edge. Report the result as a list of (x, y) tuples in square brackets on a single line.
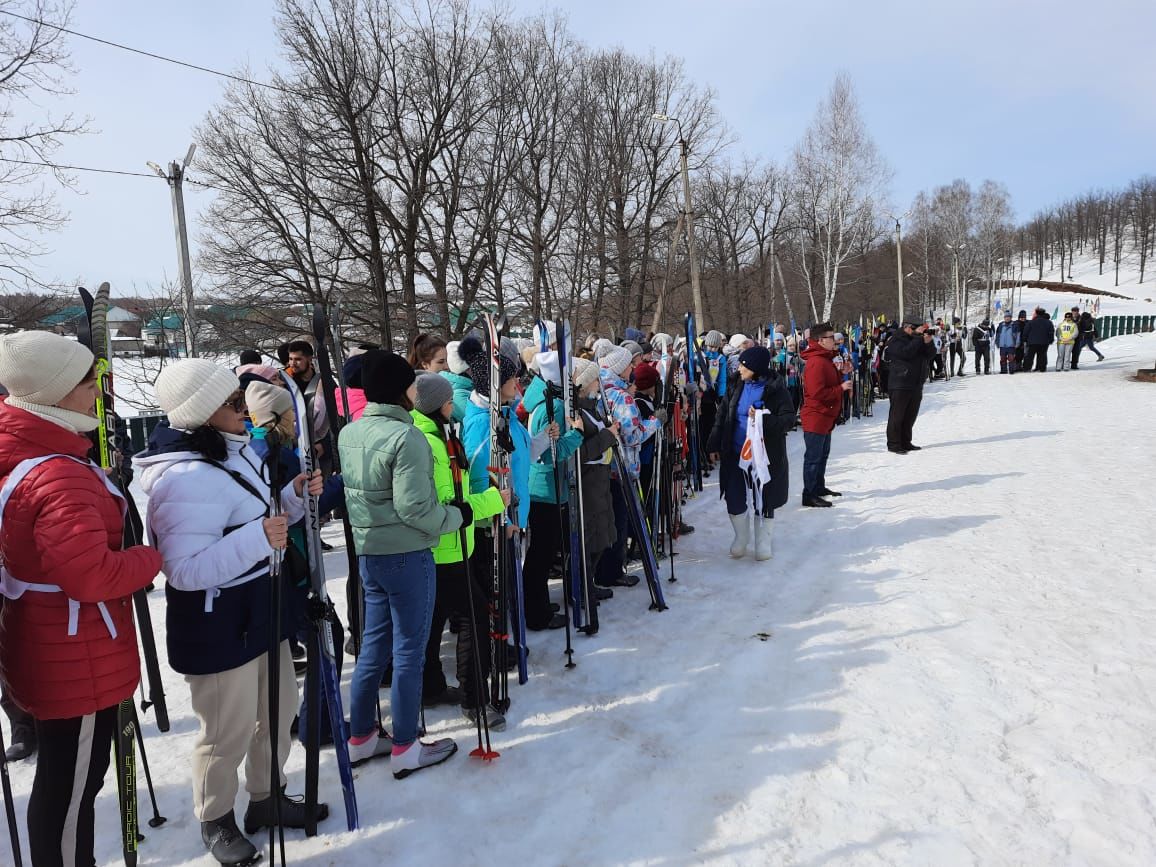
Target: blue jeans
[(817, 449), (399, 599)]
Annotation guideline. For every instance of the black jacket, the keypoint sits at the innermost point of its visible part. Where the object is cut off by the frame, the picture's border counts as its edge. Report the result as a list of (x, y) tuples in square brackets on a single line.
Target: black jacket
[(1087, 325), (776, 424), (1040, 331), (981, 336), (909, 357)]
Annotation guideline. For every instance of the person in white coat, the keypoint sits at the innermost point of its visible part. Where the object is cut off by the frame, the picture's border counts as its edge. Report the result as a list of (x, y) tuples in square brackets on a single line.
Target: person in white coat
[(209, 515)]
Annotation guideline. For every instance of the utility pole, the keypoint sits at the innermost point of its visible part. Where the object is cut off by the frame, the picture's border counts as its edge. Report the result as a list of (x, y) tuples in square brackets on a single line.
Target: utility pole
[(688, 214), (175, 178)]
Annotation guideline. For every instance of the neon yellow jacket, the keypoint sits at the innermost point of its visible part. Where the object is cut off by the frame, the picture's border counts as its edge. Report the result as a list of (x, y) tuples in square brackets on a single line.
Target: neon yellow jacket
[(1066, 332)]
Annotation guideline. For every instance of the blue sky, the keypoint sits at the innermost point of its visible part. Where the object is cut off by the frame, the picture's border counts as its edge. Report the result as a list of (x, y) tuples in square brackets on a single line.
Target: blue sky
[(1050, 98)]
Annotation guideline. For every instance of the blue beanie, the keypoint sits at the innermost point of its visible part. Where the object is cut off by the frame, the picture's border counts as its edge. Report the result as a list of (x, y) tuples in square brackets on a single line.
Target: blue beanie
[(633, 334)]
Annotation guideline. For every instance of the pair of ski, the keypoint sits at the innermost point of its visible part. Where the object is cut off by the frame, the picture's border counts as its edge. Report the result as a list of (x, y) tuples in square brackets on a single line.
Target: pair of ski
[(93, 333), (506, 551)]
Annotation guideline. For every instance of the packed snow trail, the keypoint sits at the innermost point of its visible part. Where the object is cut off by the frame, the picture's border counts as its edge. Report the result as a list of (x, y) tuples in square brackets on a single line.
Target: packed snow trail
[(954, 665)]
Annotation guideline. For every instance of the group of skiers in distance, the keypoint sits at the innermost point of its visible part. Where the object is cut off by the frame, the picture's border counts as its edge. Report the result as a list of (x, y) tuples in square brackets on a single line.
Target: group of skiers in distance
[(405, 458)]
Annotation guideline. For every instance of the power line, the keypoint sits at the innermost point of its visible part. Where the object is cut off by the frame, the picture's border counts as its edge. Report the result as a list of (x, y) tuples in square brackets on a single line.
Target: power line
[(68, 168), (143, 53)]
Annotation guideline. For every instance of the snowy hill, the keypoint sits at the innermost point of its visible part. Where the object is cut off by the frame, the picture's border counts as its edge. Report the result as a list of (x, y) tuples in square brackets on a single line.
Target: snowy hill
[(1139, 300), (952, 666)]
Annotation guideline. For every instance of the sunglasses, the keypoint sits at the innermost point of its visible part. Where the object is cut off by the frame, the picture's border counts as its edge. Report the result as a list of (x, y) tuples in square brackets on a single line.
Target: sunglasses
[(235, 401)]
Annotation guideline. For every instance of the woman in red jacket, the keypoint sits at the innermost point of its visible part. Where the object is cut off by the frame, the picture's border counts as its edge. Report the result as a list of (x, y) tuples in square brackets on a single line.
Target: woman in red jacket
[(823, 390), (68, 650)]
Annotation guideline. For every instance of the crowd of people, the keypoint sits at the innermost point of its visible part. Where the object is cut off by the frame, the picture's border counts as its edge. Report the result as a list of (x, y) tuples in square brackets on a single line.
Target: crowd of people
[(417, 489)]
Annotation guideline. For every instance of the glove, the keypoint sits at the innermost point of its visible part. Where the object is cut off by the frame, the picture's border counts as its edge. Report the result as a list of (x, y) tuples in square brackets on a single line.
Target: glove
[(467, 512), (661, 415)]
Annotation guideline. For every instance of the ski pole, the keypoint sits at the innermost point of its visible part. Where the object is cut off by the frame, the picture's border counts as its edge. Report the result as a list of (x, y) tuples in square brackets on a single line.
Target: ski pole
[(273, 657), (9, 805), (157, 820), (567, 565), (484, 751)]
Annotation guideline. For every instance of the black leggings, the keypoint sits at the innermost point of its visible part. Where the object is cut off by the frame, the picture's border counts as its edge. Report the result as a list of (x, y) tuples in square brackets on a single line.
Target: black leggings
[(60, 819)]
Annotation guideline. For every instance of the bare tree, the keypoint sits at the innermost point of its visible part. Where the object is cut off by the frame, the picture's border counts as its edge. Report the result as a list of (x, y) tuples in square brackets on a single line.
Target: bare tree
[(34, 63), (839, 180)]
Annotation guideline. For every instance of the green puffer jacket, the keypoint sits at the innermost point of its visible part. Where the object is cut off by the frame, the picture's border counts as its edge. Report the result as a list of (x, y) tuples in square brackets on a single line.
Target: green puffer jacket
[(484, 505), (389, 484), (542, 470), (463, 385)]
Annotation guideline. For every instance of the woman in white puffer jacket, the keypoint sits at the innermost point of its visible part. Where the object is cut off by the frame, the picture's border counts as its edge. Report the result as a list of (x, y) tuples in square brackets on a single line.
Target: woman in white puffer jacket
[(208, 515)]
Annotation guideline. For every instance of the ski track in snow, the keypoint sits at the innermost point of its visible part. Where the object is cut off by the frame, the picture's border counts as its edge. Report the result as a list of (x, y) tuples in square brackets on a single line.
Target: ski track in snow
[(959, 670)]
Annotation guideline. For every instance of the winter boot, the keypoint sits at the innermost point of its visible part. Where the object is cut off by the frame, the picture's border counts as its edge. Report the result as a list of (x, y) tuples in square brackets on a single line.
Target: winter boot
[(763, 538), (375, 745), (293, 812), (742, 525), (495, 720), (23, 743), (227, 844), (417, 756)]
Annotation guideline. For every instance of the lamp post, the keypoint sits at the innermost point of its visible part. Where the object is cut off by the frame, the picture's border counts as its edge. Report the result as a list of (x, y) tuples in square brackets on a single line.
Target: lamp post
[(955, 248), (688, 214), (899, 259), (175, 178)]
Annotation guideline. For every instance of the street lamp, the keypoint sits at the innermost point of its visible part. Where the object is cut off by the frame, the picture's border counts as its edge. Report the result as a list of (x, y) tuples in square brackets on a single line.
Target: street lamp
[(175, 178), (955, 248), (688, 213), (899, 258)]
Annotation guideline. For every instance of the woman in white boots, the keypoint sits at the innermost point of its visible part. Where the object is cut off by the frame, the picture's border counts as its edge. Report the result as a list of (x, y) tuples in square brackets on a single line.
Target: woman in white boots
[(209, 516), (761, 394)]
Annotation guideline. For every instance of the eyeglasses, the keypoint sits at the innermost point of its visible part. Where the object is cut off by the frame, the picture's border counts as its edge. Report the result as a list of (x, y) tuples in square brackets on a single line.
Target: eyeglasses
[(235, 401)]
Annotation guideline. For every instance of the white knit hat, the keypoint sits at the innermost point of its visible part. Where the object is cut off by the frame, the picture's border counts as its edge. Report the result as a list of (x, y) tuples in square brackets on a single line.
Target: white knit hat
[(713, 339), (601, 347), (585, 372), (631, 347), (267, 403), (616, 360), (661, 339), (192, 389), (454, 360), (41, 368), (737, 341)]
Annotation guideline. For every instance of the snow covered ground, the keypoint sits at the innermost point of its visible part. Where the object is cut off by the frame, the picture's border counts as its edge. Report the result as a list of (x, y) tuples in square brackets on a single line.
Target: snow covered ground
[(952, 666)]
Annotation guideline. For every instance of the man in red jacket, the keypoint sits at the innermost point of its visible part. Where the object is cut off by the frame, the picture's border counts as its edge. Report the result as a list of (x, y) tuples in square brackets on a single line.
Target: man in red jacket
[(68, 651), (823, 390)]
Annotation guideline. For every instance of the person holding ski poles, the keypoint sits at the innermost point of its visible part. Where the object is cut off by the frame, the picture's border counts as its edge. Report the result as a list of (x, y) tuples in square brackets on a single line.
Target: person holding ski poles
[(209, 517), (547, 509), (758, 389), (397, 519), (634, 431), (68, 643), (455, 599)]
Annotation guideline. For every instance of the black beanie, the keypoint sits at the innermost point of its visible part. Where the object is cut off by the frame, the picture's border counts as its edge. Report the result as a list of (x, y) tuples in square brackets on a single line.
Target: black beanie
[(385, 376), (757, 360), (477, 360)]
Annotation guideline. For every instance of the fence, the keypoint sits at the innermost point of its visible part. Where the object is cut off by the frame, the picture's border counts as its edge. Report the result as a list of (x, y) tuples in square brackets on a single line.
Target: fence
[(1116, 326)]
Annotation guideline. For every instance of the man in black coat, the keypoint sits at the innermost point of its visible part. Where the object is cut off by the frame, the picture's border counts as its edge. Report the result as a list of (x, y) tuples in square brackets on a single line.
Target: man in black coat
[(1038, 335), (1078, 344), (981, 343), (909, 351)]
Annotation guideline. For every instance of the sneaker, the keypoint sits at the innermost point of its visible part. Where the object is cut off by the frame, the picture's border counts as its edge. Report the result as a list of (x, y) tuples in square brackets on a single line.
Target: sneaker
[(448, 696), (496, 721), (371, 747), (815, 502), (226, 843), (418, 756), (293, 813)]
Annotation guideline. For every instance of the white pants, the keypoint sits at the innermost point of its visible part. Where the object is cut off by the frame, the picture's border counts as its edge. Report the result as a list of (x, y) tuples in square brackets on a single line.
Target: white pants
[(233, 709), (1063, 356)]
